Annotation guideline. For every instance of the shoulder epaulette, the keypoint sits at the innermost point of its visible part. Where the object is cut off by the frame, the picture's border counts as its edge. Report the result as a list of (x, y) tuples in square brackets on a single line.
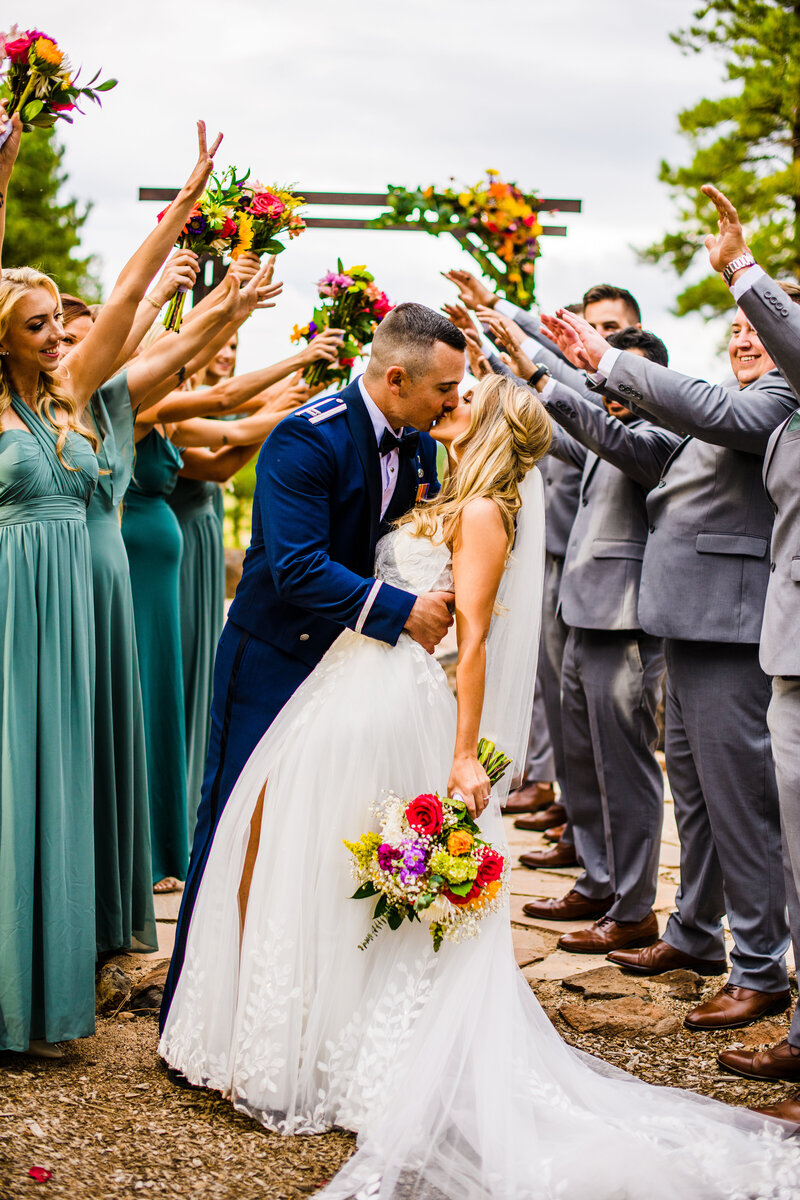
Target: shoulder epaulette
[(322, 410)]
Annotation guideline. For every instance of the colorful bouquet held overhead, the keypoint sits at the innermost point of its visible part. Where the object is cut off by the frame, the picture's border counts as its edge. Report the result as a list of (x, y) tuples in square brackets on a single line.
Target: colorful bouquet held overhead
[(494, 220), (39, 82), (264, 213), (430, 863), (352, 302)]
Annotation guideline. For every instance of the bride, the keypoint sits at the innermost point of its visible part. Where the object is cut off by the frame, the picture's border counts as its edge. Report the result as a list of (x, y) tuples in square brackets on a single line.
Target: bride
[(444, 1063)]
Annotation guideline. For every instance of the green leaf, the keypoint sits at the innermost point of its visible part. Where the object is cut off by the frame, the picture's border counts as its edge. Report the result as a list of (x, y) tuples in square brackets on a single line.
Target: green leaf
[(107, 86), (380, 907), (395, 918), (461, 889), (32, 110), (424, 901), (272, 246), (364, 892)]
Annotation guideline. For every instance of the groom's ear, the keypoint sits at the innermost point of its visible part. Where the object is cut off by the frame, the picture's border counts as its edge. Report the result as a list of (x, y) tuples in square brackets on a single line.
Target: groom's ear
[(395, 378)]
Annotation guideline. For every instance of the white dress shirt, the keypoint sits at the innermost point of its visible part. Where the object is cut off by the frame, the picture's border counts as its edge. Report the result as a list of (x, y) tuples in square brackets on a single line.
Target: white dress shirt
[(389, 462)]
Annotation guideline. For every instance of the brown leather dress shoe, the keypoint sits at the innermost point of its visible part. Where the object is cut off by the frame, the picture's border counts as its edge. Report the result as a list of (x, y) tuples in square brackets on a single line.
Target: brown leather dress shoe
[(555, 834), (561, 855), (608, 934), (784, 1110), (533, 797), (733, 1007), (554, 815), (572, 907), (660, 957), (776, 1062)]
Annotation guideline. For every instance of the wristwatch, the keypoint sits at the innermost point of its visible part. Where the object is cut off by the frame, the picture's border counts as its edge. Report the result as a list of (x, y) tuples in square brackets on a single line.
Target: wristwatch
[(744, 260), (539, 373)]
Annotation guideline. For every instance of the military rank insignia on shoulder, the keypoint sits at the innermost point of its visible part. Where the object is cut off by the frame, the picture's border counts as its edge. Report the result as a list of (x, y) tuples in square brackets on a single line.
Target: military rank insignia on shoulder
[(322, 410)]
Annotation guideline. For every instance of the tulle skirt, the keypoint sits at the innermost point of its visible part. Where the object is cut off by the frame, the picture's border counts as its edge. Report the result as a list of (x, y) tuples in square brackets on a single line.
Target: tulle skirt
[(444, 1063)]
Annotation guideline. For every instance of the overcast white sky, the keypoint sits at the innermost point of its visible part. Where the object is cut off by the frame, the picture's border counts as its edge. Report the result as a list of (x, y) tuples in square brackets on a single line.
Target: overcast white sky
[(577, 98)]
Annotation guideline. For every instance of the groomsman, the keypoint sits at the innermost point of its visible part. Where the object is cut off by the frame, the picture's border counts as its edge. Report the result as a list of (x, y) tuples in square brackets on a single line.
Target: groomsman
[(612, 679), (704, 581), (778, 325)]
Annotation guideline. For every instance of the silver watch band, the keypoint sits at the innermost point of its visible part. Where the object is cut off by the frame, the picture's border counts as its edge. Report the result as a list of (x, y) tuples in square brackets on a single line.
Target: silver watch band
[(744, 260)]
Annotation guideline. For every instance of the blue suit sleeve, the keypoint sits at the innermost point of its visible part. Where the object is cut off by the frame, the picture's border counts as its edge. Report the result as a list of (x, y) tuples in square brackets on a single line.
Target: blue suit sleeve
[(297, 477)]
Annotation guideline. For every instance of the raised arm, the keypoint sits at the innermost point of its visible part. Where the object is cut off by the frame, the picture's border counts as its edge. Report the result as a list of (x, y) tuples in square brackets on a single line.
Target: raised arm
[(502, 329), (8, 156), (479, 557), (92, 360)]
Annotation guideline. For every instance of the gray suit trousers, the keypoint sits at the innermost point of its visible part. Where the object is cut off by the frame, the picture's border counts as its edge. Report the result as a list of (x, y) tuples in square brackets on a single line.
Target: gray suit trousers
[(610, 690), (552, 641), (784, 723), (720, 767), (539, 762)]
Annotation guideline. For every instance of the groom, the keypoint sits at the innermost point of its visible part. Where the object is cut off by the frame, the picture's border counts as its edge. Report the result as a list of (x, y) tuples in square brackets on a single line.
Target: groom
[(330, 480)]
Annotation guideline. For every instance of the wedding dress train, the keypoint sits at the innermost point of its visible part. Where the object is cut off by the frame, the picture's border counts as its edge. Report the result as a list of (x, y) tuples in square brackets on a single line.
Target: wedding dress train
[(444, 1063)]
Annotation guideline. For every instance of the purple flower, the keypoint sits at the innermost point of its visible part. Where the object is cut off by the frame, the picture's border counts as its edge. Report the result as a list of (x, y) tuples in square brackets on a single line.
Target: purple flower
[(197, 224), (387, 857), (415, 860), (312, 330)]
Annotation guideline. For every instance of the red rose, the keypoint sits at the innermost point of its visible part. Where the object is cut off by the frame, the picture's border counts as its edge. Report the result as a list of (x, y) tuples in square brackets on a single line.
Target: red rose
[(474, 891), (491, 867), (17, 50), (228, 229), (264, 204), (425, 814)]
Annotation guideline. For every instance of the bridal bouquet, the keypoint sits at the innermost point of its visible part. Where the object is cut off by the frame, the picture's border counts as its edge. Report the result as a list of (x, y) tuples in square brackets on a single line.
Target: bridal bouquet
[(38, 80), (429, 862), (352, 302), (213, 228), (264, 213)]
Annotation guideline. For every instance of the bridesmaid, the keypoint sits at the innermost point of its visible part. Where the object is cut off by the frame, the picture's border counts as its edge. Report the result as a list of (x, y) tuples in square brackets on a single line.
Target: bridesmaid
[(48, 471)]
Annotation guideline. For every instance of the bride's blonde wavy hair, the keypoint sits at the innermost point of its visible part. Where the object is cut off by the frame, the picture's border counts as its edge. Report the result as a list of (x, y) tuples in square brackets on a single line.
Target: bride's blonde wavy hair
[(509, 431), (14, 284)]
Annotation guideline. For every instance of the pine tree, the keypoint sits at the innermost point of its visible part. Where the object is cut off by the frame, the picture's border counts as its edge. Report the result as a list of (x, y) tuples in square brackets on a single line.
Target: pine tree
[(746, 143), (42, 228)]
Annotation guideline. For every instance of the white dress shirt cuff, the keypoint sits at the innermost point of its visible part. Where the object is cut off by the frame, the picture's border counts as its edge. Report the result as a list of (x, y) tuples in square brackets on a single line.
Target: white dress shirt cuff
[(746, 280), (506, 308), (606, 363), (548, 388), (532, 348)]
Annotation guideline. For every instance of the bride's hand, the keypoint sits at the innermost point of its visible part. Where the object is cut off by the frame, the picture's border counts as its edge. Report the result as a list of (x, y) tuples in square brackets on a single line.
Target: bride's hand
[(469, 780)]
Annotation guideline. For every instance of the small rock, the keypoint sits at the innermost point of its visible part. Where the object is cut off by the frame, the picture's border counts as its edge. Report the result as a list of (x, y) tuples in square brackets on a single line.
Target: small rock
[(532, 945), (603, 983), (763, 1033), (683, 985), (149, 991), (621, 1017), (111, 988)]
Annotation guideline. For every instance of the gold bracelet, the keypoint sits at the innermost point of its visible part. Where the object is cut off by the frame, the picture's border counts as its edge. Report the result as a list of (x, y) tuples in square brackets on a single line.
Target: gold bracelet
[(154, 303)]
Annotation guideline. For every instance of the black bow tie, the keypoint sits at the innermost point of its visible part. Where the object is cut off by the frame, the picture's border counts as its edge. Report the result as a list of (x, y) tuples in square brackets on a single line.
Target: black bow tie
[(407, 444)]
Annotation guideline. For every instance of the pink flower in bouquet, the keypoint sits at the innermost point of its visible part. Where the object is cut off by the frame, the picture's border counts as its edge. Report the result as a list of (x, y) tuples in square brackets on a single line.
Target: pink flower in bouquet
[(64, 108), (264, 204), (381, 306), (228, 229), (491, 867), (425, 814), (18, 49)]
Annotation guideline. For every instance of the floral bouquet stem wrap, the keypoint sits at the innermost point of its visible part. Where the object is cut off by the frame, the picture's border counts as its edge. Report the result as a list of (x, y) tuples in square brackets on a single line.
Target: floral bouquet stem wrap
[(352, 302), (429, 862), (38, 80)]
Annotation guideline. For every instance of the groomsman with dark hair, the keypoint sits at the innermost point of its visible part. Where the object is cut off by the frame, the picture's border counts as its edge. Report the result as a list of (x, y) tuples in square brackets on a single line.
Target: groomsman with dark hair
[(704, 581), (611, 681)]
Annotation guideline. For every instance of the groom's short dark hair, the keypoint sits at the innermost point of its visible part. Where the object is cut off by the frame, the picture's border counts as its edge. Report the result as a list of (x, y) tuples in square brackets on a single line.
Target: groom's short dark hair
[(409, 332)]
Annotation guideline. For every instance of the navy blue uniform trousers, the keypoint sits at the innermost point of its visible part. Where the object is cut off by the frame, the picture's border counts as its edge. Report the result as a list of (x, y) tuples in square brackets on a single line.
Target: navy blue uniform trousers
[(252, 682)]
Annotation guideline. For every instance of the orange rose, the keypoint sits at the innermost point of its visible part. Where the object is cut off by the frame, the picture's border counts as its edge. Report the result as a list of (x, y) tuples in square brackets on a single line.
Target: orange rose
[(459, 842)]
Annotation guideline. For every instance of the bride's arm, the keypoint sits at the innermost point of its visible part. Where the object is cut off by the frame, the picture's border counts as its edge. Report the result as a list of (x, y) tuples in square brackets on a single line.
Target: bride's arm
[(479, 558)]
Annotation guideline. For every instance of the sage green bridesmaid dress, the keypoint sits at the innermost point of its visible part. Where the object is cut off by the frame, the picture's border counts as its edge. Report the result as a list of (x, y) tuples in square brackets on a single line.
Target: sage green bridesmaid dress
[(123, 871), (197, 503), (154, 543), (47, 922)]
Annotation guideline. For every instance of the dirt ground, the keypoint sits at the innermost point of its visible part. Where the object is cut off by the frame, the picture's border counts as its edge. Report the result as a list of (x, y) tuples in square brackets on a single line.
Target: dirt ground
[(105, 1121)]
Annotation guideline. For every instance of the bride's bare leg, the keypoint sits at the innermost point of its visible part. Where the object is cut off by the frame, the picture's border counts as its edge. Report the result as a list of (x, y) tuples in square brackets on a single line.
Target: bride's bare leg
[(250, 858)]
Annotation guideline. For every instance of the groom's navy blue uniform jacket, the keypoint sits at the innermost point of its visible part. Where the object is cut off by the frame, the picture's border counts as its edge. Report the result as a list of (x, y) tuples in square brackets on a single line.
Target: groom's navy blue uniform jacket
[(307, 574)]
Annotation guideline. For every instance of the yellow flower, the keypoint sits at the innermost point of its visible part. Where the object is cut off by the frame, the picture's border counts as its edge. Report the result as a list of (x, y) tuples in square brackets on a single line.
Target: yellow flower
[(464, 199), (47, 51), (429, 192), (297, 336), (491, 171), (244, 236), (459, 842)]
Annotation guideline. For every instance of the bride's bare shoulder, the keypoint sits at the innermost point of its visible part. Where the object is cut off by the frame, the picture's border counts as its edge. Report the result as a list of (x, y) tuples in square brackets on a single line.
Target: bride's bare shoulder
[(481, 521)]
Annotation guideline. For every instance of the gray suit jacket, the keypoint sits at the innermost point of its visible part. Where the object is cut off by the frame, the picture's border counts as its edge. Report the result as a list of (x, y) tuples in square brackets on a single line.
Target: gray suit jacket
[(780, 636), (706, 567), (562, 488), (776, 319), (603, 562)]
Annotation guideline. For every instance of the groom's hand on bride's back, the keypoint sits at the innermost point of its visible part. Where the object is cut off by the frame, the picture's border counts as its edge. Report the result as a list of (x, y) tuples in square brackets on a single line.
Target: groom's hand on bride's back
[(430, 618)]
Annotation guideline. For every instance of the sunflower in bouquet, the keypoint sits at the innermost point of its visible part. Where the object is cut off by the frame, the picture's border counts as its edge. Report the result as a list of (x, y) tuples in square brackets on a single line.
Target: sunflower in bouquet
[(39, 82), (350, 301)]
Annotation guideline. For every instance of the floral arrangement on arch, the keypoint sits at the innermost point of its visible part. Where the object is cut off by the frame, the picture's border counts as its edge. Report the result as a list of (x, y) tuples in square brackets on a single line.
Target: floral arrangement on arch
[(496, 222), (429, 862), (39, 82), (231, 217), (352, 302)]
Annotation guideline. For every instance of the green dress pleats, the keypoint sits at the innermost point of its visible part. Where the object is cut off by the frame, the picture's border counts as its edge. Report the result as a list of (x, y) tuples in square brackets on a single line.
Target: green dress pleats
[(47, 921), (196, 502), (123, 870), (154, 544)]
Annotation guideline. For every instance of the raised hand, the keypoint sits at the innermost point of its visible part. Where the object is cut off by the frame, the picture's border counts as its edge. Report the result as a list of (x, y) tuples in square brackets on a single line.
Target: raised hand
[(181, 271), (575, 337), (566, 339), (504, 329), (729, 243), (195, 184), (325, 345), (460, 317), (239, 302), (247, 265), (470, 289), (478, 362)]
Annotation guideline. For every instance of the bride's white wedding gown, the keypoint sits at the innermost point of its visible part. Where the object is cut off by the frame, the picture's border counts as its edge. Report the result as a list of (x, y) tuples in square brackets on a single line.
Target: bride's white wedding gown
[(458, 1085)]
